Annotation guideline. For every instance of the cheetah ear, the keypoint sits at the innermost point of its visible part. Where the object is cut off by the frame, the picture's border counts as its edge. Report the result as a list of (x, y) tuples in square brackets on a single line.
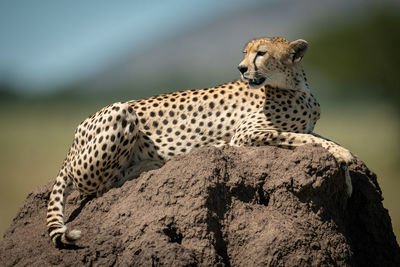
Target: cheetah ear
[(297, 50)]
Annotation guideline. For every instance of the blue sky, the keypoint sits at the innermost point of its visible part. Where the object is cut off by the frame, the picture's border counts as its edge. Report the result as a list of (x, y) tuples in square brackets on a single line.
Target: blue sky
[(50, 42)]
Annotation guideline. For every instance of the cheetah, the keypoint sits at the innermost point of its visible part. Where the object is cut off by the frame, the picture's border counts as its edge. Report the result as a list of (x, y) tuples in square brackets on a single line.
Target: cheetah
[(270, 105)]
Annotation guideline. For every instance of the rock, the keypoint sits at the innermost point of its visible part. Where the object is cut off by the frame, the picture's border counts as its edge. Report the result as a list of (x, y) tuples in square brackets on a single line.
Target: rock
[(253, 206)]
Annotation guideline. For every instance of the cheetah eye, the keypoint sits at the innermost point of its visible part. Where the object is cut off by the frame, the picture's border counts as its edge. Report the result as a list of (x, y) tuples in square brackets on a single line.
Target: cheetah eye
[(244, 52), (261, 53)]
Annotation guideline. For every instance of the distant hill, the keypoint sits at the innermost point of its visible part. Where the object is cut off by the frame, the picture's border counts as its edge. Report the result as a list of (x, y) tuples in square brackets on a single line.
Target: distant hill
[(209, 53)]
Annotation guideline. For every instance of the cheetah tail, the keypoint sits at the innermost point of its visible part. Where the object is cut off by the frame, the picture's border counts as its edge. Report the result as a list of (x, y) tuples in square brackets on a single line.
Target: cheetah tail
[(55, 214)]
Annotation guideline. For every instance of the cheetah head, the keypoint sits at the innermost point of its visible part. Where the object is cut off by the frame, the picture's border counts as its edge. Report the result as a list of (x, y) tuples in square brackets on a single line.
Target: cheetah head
[(271, 61)]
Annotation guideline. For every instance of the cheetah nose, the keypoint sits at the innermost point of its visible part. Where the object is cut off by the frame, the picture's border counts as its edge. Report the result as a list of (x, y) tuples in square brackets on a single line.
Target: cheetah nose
[(242, 69)]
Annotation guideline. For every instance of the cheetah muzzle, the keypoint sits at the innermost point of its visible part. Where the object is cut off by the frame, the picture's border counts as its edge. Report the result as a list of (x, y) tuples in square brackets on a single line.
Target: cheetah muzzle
[(271, 105)]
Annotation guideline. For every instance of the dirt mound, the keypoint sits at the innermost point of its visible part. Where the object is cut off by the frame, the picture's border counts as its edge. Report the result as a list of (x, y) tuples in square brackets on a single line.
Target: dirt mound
[(219, 206)]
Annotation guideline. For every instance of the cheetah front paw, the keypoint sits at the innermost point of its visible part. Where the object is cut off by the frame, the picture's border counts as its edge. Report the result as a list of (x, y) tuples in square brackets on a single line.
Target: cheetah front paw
[(343, 156)]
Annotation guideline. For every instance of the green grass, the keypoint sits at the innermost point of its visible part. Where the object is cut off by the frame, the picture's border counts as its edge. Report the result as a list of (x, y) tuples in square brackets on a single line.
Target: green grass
[(34, 139)]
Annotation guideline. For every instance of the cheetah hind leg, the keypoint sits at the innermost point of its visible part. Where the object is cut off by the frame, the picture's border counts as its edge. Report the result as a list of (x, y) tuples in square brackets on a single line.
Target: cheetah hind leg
[(131, 172), (109, 147)]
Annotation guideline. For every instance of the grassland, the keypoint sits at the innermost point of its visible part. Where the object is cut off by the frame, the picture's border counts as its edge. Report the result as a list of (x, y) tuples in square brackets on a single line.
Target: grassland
[(34, 139)]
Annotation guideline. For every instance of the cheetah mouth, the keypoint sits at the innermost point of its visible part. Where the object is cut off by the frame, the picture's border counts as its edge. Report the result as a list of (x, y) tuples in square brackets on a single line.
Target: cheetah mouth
[(254, 83)]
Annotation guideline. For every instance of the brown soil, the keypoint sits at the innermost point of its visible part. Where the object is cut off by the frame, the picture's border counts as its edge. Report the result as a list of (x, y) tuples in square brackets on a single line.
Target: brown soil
[(227, 206)]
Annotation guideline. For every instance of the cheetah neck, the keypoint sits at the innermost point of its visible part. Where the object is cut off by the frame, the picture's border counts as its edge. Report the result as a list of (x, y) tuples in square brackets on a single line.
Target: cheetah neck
[(293, 79), (300, 80)]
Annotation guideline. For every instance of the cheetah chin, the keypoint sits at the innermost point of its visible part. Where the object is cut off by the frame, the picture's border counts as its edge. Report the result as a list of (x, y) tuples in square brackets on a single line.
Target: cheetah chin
[(256, 83)]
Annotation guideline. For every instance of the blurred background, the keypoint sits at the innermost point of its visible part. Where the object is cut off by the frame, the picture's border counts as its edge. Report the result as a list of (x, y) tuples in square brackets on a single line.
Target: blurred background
[(61, 61)]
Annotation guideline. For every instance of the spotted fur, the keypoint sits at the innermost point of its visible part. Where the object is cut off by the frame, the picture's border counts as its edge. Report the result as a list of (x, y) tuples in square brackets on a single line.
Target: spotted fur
[(270, 105)]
